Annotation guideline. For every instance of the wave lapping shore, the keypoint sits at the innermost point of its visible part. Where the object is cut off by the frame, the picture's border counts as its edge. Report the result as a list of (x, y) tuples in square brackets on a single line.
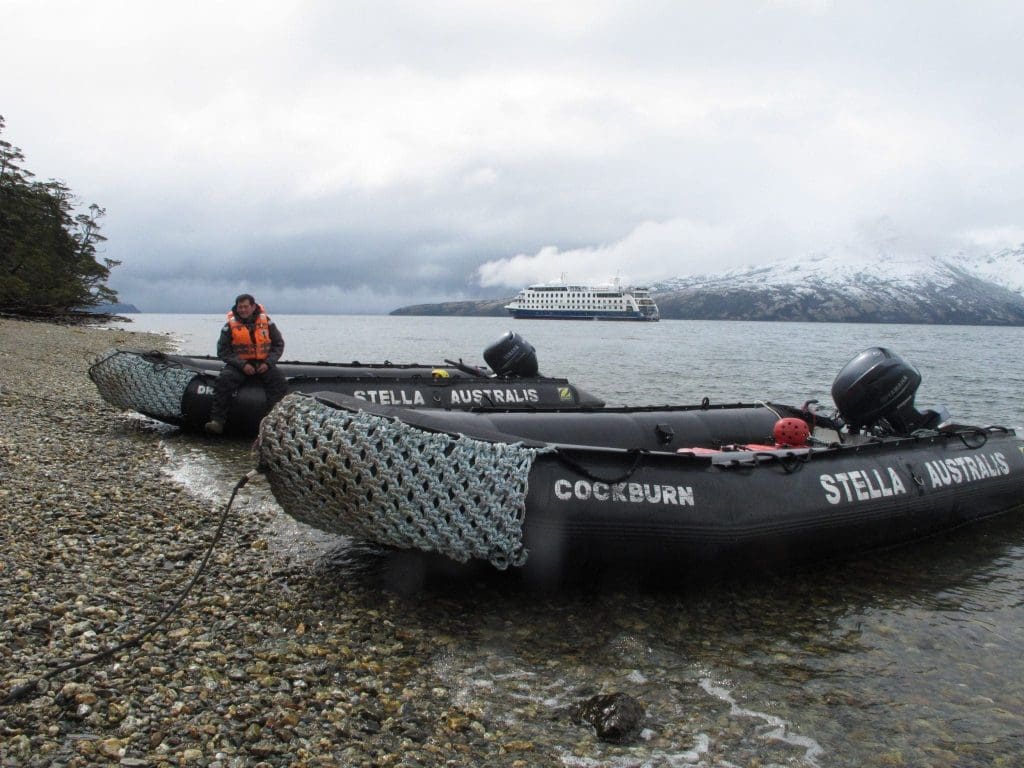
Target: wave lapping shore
[(266, 664)]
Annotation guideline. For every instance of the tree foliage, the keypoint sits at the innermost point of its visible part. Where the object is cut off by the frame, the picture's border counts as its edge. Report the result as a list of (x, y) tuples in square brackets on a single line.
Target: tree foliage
[(48, 258)]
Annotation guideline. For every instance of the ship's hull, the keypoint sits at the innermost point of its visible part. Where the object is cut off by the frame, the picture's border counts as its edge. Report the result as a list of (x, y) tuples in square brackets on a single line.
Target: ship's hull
[(568, 314)]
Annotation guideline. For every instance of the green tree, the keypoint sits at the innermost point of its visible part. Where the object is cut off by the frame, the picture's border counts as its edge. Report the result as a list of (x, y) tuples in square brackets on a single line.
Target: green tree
[(48, 257)]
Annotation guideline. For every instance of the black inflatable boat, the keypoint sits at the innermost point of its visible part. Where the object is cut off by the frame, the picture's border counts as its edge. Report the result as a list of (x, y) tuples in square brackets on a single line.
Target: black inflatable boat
[(178, 389), (750, 485)]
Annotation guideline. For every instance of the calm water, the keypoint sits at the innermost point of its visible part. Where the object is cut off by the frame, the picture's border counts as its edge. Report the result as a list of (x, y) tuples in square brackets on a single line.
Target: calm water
[(909, 658)]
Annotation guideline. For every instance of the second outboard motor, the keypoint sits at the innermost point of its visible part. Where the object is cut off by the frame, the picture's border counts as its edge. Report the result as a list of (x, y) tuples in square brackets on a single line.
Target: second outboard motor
[(879, 386), (512, 355)]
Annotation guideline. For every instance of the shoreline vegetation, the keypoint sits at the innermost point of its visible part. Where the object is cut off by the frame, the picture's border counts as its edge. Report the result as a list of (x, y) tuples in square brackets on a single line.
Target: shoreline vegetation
[(56, 316), (268, 662)]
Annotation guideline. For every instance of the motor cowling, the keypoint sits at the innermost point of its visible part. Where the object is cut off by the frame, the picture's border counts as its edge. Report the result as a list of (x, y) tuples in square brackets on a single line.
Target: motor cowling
[(879, 386), (511, 355)]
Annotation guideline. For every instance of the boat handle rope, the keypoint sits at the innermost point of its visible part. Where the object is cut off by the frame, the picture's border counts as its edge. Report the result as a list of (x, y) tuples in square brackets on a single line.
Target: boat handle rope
[(918, 480), (974, 432), (790, 462), (161, 364), (996, 428), (484, 396), (638, 456), (490, 405), (31, 688)]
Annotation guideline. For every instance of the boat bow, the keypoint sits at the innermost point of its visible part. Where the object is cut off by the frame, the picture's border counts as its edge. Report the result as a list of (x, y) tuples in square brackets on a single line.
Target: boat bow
[(367, 475)]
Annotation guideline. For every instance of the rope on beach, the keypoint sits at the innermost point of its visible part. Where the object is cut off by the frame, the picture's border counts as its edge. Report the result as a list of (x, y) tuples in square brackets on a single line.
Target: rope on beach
[(128, 381), (373, 477), (26, 689)]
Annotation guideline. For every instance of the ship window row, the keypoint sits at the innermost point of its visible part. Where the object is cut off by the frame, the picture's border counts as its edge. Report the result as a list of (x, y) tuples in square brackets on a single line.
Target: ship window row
[(579, 294), (563, 300), (573, 302), (580, 297)]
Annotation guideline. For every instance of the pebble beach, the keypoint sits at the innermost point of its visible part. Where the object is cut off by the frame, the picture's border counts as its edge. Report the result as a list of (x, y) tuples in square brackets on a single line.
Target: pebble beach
[(264, 664)]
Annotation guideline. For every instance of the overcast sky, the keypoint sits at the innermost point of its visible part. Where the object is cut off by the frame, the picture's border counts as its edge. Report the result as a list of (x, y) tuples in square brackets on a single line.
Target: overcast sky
[(358, 156)]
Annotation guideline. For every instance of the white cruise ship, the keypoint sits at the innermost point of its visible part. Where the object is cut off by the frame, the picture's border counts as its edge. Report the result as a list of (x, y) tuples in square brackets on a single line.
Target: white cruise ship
[(561, 301)]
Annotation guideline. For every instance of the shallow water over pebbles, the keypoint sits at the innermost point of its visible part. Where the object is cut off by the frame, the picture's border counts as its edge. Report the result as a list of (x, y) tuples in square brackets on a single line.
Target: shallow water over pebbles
[(904, 658)]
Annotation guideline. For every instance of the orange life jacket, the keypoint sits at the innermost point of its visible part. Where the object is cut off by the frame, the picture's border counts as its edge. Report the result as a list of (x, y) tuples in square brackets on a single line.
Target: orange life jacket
[(254, 343)]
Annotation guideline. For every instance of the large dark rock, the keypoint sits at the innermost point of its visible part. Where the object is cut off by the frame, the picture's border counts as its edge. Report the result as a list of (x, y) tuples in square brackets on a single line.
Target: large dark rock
[(615, 716)]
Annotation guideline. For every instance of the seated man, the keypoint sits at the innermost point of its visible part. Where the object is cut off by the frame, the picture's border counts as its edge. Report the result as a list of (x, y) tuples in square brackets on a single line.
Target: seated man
[(250, 345)]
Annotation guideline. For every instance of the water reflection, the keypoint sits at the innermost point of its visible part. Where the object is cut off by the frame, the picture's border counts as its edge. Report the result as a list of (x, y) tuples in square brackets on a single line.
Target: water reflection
[(907, 657)]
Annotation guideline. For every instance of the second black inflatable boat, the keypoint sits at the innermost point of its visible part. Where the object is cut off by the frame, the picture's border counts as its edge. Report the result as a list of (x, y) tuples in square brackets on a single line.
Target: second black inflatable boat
[(178, 389)]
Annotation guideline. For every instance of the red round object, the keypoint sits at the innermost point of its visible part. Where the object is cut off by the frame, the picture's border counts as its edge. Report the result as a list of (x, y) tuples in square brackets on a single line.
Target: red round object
[(791, 432)]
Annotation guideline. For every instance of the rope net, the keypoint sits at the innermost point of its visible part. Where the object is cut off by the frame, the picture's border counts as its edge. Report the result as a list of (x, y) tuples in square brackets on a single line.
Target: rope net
[(373, 477), (127, 380)]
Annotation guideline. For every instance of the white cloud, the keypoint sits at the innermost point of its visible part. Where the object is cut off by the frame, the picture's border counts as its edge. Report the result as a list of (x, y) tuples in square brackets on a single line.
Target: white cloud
[(994, 238), (651, 251)]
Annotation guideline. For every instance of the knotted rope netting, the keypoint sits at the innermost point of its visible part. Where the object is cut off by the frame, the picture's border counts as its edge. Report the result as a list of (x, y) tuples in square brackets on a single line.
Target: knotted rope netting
[(128, 380), (373, 477)]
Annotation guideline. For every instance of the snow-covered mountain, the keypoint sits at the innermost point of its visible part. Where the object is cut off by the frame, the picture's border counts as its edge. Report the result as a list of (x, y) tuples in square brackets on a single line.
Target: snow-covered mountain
[(1005, 267), (850, 287)]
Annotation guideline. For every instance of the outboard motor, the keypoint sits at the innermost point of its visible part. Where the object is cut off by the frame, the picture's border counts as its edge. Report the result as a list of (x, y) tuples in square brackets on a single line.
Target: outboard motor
[(512, 355), (879, 386)]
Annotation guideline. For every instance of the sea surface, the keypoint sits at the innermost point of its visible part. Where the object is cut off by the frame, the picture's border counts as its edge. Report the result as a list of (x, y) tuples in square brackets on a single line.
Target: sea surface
[(913, 657)]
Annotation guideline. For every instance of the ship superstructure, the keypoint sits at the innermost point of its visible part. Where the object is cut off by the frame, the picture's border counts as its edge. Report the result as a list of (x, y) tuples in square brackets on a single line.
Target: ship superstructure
[(564, 301)]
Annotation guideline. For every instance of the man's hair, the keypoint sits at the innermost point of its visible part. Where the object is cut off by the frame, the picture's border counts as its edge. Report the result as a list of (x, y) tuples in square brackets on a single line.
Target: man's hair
[(244, 297)]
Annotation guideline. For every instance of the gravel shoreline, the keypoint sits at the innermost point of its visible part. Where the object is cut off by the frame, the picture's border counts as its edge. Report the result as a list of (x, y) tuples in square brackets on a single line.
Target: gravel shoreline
[(263, 665)]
